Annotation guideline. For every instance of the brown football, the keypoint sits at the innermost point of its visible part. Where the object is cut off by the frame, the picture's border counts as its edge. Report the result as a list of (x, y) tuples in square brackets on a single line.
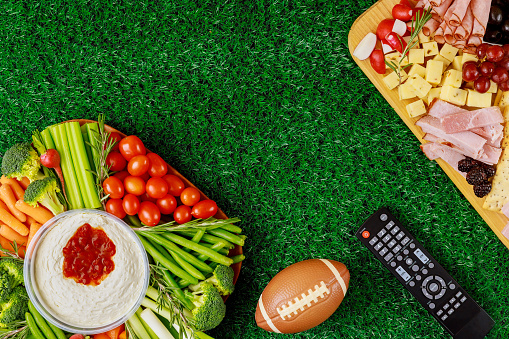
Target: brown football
[(302, 296)]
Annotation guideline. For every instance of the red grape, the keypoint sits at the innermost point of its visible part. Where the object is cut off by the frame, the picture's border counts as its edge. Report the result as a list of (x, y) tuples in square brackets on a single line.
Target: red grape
[(504, 86), (500, 75), (504, 63), (470, 72), (487, 68), (494, 53), (482, 84), (481, 51), (506, 49)]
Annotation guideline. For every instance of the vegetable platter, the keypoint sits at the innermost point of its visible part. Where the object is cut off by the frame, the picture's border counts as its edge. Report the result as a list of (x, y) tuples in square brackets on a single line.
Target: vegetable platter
[(405, 106), (89, 217)]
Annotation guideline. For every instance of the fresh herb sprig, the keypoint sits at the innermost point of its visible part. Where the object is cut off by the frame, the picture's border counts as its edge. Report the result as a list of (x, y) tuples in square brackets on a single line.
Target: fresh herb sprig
[(9, 254), (207, 224), (418, 23), (15, 330)]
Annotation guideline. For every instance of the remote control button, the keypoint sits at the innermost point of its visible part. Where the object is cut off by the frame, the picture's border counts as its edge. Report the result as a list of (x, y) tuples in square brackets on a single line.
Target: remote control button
[(378, 246), (458, 294), (412, 283), (451, 311), (415, 268), (424, 271), (383, 251), (388, 256), (457, 305), (387, 238), (402, 273), (399, 258), (393, 264), (431, 265), (373, 240), (452, 286), (383, 217), (400, 235), (426, 293), (396, 249), (418, 277), (389, 225), (426, 281), (439, 313), (405, 241), (405, 252), (433, 287), (452, 300), (422, 257), (444, 317), (432, 306), (441, 294), (409, 261), (412, 245), (440, 280), (446, 306), (463, 299), (381, 233), (365, 234), (395, 230), (391, 243)]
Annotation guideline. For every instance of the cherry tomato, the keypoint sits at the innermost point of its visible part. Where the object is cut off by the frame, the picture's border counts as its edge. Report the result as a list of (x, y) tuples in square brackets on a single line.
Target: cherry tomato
[(114, 206), (149, 214), (134, 185), (167, 204), (204, 209), (190, 196), (121, 175), (115, 161), (131, 204), (156, 188), (116, 138), (145, 176), (131, 146), (175, 185), (182, 214), (146, 197), (158, 167), (114, 187), (138, 165)]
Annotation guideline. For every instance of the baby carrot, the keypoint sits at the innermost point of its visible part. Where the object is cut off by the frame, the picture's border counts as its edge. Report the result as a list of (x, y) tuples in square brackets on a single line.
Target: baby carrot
[(114, 333), (122, 335), (39, 213), (8, 197), (33, 229), (6, 244), (18, 191), (9, 234), (12, 222), (29, 221), (24, 182)]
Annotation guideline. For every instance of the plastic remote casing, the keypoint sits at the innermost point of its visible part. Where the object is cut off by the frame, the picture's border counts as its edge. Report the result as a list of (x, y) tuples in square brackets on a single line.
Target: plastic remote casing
[(424, 277)]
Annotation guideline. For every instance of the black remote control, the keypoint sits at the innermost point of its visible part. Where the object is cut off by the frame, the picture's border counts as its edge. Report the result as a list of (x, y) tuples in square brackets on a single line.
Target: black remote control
[(424, 277)]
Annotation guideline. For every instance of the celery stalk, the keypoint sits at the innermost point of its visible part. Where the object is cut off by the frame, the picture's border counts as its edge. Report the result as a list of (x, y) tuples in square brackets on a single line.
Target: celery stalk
[(155, 324), (48, 140), (137, 326), (82, 166), (59, 135), (151, 334), (93, 134)]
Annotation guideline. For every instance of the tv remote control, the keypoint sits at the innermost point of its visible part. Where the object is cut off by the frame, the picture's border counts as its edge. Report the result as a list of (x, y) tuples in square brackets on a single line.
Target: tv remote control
[(424, 277)]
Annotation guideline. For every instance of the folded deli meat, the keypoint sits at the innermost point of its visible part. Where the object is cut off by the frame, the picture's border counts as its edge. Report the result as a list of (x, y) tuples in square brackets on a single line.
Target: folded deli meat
[(454, 133)]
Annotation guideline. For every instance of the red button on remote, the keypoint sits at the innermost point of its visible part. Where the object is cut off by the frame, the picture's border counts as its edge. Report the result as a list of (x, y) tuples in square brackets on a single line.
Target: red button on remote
[(365, 234)]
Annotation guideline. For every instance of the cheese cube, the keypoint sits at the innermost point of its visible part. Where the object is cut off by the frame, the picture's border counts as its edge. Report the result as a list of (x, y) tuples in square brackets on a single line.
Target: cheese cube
[(440, 58), (504, 100), (434, 71), (430, 48), (448, 52), (406, 91), (476, 99), (493, 87), (453, 78), (453, 95), (497, 99), (423, 38), (416, 108), (395, 57), (433, 94), (392, 80), (416, 56), (457, 64), (407, 40), (469, 85), (421, 87), (417, 69), (468, 57)]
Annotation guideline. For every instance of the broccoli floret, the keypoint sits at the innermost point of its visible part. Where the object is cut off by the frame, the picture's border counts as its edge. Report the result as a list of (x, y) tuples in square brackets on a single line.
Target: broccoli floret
[(209, 308), (6, 284), (15, 307), (44, 191), (21, 160), (14, 268), (222, 279)]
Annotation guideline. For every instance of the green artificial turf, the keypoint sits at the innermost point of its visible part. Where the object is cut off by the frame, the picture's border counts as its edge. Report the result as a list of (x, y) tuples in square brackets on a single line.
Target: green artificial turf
[(260, 104)]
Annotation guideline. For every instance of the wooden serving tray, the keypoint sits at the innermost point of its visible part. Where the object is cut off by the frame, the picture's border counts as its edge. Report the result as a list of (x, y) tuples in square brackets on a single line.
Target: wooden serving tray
[(368, 22), (219, 215)]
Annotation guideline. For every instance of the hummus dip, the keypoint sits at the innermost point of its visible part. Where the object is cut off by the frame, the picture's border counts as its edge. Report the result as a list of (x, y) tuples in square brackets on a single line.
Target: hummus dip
[(87, 305)]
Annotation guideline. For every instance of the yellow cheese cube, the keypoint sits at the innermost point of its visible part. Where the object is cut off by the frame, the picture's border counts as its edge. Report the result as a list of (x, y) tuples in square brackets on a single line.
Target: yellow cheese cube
[(421, 87), (395, 57), (476, 99), (453, 95), (460, 52), (407, 40), (448, 52), (434, 71), (416, 56), (417, 69), (423, 38), (416, 108), (453, 78), (406, 91), (504, 100), (433, 94), (468, 57), (469, 85), (457, 64), (493, 87), (440, 58), (430, 48), (392, 80)]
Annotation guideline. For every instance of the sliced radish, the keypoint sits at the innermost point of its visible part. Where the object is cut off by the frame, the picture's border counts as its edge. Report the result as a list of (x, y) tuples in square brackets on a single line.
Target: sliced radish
[(396, 41), (377, 61), (386, 47), (365, 47), (399, 27), (402, 12), (384, 28)]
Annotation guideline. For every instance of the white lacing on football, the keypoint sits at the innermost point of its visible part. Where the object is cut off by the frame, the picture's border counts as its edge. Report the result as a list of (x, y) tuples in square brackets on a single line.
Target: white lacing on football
[(293, 308)]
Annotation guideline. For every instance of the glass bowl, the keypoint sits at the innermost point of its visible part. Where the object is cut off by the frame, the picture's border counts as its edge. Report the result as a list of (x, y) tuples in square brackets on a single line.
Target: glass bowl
[(33, 290)]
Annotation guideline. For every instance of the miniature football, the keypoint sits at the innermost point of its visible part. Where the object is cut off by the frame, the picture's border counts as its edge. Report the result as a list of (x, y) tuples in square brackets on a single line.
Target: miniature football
[(302, 296)]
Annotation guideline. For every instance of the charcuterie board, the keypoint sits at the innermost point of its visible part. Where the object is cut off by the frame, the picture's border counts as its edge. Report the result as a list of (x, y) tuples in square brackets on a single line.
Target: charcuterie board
[(368, 22)]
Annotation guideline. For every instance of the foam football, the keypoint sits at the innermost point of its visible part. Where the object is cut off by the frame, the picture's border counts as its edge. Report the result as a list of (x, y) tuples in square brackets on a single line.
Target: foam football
[(302, 296)]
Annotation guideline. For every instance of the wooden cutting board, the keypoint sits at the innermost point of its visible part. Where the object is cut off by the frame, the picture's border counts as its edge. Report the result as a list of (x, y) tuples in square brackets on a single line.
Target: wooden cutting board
[(368, 22)]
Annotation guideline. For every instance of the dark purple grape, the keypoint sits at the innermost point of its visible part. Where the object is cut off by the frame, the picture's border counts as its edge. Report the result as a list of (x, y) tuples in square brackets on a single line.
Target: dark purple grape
[(470, 72), (504, 63), (487, 68), (482, 84), (495, 53), (500, 75), (481, 51), (506, 49)]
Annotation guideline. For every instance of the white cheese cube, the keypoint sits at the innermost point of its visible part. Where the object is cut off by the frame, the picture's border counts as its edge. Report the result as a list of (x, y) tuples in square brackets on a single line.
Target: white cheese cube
[(476, 99), (493, 87), (433, 94), (423, 38), (440, 58), (468, 57), (430, 48), (453, 78), (416, 108), (416, 56), (453, 95), (434, 71), (417, 69), (406, 91), (457, 64), (392, 80), (448, 52), (421, 87)]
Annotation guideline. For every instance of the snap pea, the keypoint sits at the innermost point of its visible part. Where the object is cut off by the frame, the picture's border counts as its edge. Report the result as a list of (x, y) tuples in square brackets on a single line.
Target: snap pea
[(33, 326), (43, 325), (58, 332)]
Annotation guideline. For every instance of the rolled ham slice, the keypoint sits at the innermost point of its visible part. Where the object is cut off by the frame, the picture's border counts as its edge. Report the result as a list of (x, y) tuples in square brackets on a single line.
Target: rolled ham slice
[(463, 32), (442, 9), (481, 12), (430, 26), (439, 109), (493, 133), (436, 3), (458, 14), (439, 34), (474, 41), (489, 155), (434, 151), (449, 35), (464, 121)]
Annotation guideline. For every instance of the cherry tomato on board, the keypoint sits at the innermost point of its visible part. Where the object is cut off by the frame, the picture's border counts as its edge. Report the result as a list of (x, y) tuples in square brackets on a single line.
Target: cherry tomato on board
[(149, 214), (114, 206), (131, 204), (158, 166), (131, 146), (190, 196), (145, 176), (134, 185), (146, 197), (175, 185), (204, 209), (167, 204), (121, 175), (116, 138), (182, 214), (156, 188), (115, 161), (114, 187), (138, 165)]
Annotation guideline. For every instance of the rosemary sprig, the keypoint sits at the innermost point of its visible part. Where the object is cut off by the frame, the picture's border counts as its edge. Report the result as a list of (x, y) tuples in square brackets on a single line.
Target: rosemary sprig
[(417, 24), (15, 330), (11, 255), (207, 224)]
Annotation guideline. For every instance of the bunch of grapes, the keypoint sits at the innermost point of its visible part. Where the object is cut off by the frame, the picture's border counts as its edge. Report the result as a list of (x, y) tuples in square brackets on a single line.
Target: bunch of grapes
[(493, 64)]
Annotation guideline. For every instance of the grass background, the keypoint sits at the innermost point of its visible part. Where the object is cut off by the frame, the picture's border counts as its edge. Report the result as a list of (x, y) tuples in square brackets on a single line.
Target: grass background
[(261, 106)]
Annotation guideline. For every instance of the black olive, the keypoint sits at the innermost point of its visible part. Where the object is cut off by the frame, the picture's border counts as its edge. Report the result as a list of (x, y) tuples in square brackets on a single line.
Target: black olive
[(496, 15), (493, 35), (500, 3), (505, 27)]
